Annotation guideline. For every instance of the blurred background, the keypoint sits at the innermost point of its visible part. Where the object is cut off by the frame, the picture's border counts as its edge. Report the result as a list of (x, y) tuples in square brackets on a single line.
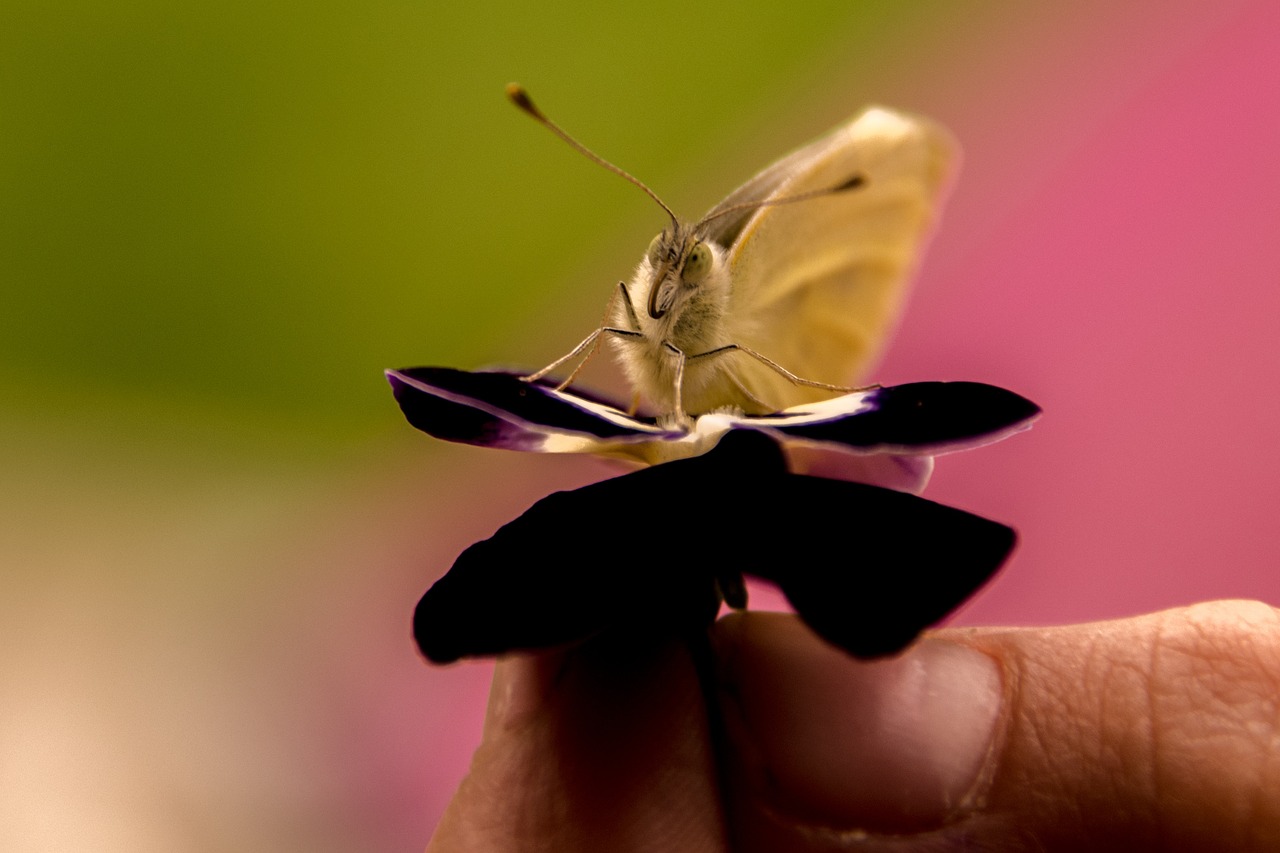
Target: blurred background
[(218, 225)]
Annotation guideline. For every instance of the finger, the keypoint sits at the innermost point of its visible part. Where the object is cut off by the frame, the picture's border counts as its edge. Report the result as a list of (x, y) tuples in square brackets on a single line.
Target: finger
[(602, 747), (1158, 732)]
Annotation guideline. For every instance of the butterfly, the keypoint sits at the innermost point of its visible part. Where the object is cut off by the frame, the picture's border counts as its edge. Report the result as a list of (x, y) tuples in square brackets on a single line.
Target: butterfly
[(785, 292)]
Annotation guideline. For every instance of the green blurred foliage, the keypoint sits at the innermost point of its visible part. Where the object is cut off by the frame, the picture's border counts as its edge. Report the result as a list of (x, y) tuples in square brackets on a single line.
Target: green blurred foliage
[(248, 210)]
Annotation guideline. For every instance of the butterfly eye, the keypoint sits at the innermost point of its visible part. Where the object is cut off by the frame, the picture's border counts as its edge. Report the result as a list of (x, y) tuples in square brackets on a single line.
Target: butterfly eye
[(697, 264), (655, 249)]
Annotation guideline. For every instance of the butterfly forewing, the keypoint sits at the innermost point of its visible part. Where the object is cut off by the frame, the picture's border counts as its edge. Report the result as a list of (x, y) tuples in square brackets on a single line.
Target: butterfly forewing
[(818, 285)]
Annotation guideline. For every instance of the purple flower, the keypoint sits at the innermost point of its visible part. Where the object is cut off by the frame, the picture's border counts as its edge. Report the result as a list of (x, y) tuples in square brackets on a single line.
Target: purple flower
[(660, 548), (884, 436)]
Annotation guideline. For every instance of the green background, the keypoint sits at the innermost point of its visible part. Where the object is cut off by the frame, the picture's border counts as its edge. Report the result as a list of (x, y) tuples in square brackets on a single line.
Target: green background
[(241, 214)]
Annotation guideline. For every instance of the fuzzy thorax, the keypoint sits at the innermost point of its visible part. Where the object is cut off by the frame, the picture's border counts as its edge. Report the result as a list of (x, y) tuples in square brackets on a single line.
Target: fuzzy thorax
[(691, 319)]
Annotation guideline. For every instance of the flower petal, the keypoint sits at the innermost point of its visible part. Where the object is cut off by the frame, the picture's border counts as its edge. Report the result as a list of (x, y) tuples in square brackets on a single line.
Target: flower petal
[(901, 472), (867, 568), (904, 423), (908, 563), (638, 548), (919, 417), (502, 410)]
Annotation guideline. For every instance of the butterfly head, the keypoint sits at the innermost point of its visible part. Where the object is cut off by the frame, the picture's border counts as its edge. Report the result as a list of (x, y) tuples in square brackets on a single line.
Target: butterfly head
[(678, 264)]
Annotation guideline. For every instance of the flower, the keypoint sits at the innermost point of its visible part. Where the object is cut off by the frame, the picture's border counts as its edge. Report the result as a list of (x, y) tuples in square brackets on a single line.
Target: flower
[(884, 436), (866, 567)]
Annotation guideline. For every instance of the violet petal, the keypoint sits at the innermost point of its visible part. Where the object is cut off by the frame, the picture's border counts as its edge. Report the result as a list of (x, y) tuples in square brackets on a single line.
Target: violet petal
[(501, 410), (495, 409), (918, 417)]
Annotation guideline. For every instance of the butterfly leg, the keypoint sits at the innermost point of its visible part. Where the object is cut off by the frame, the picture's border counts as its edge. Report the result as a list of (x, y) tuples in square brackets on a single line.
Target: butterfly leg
[(747, 395), (679, 379), (626, 333), (592, 340), (780, 370), (626, 303), (573, 353), (633, 331)]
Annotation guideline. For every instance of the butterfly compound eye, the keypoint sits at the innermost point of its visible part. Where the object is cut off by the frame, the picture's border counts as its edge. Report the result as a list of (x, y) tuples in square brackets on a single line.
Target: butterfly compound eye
[(697, 264)]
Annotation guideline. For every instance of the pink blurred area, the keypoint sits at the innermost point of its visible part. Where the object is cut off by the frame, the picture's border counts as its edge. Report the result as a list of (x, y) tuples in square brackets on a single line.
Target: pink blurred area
[(1131, 286)]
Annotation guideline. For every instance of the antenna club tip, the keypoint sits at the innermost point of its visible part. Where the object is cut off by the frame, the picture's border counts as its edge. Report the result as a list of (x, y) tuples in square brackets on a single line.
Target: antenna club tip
[(518, 96), (853, 183)]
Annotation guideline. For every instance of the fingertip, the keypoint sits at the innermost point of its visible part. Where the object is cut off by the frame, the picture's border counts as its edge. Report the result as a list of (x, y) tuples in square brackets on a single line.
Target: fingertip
[(1153, 732), (893, 745), (1156, 732)]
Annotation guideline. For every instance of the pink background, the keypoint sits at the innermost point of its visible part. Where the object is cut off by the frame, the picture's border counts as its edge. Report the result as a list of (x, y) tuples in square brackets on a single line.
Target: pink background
[(1132, 288)]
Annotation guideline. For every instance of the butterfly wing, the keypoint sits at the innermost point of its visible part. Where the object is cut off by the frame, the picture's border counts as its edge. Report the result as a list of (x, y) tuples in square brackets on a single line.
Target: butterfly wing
[(817, 285)]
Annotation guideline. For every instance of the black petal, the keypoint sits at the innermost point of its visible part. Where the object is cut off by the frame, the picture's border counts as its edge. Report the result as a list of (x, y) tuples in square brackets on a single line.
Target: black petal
[(877, 566), (501, 410), (918, 416), (867, 568), (577, 562)]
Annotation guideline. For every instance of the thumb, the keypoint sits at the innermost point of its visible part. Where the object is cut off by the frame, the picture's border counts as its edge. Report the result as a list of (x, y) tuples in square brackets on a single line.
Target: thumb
[(1158, 732)]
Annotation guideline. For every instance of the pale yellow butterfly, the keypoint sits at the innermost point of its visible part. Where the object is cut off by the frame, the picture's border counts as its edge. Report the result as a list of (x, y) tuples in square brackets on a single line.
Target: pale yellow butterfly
[(786, 291)]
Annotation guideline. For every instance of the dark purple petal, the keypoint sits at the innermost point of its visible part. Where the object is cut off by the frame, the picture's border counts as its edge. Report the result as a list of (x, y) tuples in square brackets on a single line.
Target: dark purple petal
[(901, 564), (502, 410), (920, 417), (496, 409), (867, 568), (631, 548)]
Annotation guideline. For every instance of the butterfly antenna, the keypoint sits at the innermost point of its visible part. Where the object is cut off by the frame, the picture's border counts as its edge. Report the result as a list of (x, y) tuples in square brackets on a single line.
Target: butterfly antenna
[(850, 184), (521, 99)]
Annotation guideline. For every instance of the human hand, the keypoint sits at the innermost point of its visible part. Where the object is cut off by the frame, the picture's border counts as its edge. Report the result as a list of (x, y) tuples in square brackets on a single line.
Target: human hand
[(1160, 732)]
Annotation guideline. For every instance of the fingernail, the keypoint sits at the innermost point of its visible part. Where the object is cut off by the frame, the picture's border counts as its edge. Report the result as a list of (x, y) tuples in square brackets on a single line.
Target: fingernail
[(898, 745)]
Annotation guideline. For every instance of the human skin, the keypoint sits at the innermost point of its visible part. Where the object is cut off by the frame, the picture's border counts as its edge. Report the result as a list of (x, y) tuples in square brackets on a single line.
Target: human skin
[(1160, 732)]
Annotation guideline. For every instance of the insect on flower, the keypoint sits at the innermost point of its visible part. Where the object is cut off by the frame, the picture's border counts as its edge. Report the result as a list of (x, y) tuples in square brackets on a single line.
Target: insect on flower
[(785, 291), (742, 331)]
